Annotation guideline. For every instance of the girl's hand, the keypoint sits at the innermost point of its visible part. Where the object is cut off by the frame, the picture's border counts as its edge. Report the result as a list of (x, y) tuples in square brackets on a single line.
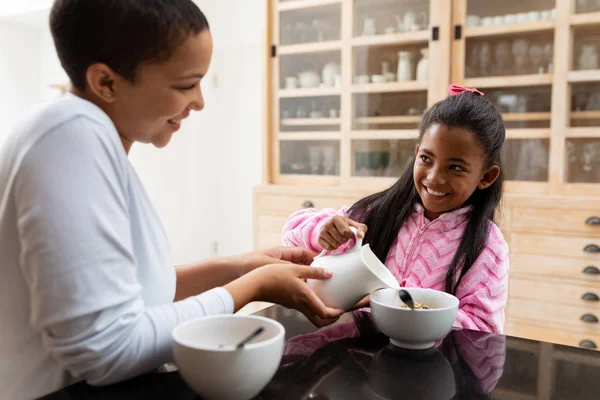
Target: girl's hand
[(336, 232), (285, 284)]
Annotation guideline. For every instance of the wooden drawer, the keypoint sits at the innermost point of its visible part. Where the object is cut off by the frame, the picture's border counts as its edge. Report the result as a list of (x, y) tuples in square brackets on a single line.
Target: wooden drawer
[(560, 336), (561, 246), (268, 239), (271, 223), (554, 316), (554, 291), (584, 222), (269, 204), (558, 267)]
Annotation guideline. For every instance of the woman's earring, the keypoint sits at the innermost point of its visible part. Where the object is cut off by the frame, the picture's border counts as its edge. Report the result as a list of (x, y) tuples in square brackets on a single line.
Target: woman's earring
[(108, 95)]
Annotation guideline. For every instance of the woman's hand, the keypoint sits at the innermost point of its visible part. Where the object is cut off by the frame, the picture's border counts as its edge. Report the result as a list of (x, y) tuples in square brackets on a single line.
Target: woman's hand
[(336, 232), (193, 279), (285, 284), (277, 255)]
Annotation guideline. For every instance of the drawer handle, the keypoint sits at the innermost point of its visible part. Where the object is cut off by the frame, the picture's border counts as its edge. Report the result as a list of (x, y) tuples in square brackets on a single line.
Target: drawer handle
[(592, 319), (591, 270), (593, 221), (308, 204), (591, 248), (590, 297), (588, 344)]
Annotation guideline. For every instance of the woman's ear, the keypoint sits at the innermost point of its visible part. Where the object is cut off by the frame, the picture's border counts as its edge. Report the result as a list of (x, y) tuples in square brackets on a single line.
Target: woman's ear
[(100, 79), (489, 177)]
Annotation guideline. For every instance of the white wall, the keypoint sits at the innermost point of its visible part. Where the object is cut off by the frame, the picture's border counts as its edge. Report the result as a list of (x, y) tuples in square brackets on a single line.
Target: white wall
[(239, 28), (19, 73), (50, 70), (201, 184)]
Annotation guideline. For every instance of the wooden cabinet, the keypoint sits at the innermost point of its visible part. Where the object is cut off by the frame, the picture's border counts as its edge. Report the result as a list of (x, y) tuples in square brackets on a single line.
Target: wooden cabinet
[(349, 80)]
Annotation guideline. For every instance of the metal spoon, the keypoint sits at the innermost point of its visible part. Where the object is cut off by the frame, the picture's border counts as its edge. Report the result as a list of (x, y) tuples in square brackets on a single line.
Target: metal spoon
[(406, 298), (248, 338), (254, 334)]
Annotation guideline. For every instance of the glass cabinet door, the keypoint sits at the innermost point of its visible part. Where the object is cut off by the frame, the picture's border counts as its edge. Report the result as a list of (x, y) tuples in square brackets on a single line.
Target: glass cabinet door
[(582, 142), (351, 79), (310, 157), (582, 160), (308, 87), (526, 159), (381, 158), (392, 78), (587, 6), (506, 50)]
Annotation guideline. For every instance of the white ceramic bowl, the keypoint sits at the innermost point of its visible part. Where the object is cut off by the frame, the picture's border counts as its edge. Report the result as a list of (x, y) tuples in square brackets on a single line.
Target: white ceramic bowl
[(418, 329), (215, 372), (378, 78)]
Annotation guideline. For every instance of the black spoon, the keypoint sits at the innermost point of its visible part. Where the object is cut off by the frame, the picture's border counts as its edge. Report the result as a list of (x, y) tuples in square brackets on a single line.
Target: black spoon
[(254, 334), (406, 298), (248, 338)]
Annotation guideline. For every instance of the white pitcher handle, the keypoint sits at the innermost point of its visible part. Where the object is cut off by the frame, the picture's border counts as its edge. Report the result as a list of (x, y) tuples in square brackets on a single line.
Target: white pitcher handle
[(357, 245), (359, 241)]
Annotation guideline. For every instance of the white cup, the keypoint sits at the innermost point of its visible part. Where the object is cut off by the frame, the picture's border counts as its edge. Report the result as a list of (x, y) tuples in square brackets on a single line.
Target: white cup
[(522, 17), (498, 20), (534, 15), (378, 78), (363, 79), (487, 21), (510, 18), (356, 273), (291, 82), (473, 20)]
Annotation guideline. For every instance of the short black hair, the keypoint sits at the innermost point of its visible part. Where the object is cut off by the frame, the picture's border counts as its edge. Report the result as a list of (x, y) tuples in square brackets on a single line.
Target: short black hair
[(120, 33)]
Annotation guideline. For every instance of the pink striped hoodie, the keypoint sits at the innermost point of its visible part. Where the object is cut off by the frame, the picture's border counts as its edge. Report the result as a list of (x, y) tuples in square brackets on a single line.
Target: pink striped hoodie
[(421, 256)]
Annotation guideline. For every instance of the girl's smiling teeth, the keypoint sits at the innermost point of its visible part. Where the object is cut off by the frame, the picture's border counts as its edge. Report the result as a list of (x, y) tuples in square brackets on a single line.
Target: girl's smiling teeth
[(434, 193)]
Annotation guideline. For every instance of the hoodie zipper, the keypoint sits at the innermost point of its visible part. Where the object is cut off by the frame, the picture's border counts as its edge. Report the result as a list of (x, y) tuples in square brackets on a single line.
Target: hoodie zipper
[(423, 227)]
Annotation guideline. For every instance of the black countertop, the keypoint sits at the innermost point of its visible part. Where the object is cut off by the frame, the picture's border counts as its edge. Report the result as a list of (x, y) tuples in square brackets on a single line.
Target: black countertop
[(352, 360)]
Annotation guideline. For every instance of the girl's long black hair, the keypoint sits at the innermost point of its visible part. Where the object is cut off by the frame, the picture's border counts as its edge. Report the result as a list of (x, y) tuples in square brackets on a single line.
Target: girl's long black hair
[(385, 212)]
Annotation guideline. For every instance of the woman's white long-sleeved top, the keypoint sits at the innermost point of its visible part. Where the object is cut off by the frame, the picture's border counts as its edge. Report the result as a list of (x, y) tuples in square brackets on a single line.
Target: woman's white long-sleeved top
[(87, 283)]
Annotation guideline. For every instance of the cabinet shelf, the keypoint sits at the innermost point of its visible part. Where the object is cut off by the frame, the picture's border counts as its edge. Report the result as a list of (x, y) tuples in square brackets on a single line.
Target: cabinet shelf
[(310, 121), (388, 134), (321, 135), (392, 39), (592, 18), (309, 92), (410, 86), (400, 119), (303, 4), (595, 114), (583, 132), (312, 180), (528, 133), (592, 75), (531, 116), (510, 29), (509, 81), (304, 48)]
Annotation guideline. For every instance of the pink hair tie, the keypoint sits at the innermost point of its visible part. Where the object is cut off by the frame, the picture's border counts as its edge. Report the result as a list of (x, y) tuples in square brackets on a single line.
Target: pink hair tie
[(453, 90)]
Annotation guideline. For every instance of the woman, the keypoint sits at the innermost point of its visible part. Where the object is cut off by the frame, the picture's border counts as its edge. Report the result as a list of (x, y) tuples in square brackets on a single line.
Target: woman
[(88, 287)]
